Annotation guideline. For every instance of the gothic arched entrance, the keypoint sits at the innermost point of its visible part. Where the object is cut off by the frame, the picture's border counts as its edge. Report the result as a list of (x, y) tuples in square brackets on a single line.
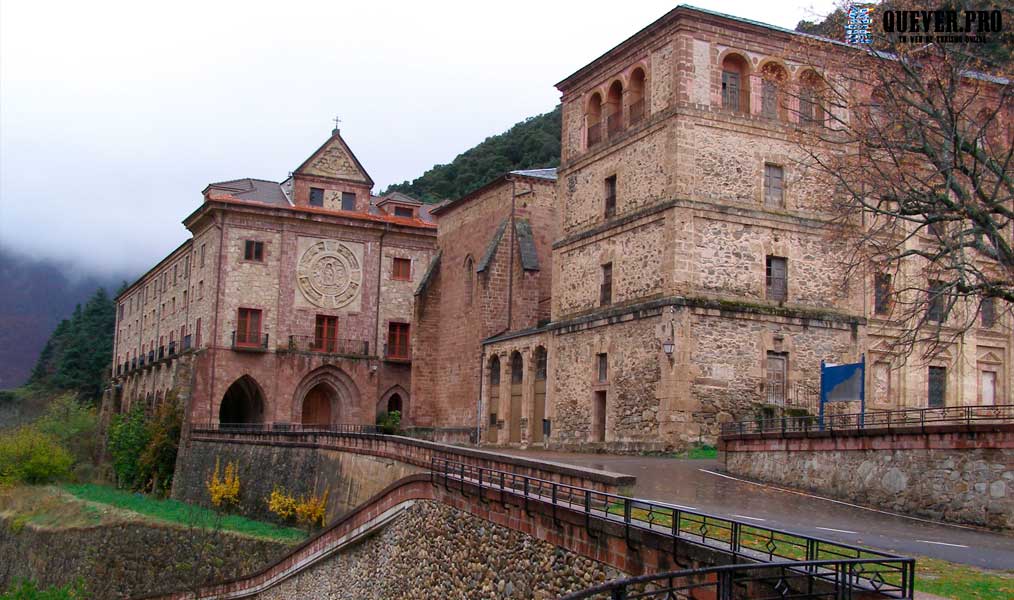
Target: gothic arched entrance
[(243, 403), (317, 405)]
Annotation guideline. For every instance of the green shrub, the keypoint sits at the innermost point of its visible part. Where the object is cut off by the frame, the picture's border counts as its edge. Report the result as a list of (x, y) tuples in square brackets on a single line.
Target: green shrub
[(157, 461), (29, 456), (128, 437), (74, 425), (29, 590), (389, 422)]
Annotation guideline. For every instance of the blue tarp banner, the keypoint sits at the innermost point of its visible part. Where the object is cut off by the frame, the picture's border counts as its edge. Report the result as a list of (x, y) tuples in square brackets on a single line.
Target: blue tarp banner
[(843, 383)]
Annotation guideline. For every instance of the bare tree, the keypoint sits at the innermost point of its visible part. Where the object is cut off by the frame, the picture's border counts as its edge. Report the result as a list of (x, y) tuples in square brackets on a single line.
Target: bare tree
[(915, 140)]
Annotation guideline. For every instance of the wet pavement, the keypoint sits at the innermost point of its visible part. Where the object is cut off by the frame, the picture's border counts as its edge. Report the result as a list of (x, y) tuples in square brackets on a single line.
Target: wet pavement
[(699, 485)]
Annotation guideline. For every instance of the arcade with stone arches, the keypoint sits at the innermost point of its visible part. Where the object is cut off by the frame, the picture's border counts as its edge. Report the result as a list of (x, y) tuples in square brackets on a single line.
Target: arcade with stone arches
[(515, 409), (243, 403)]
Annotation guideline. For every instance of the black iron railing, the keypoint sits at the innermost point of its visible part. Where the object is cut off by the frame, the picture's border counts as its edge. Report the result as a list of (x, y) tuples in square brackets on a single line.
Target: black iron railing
[(186, 342), (636, 111), (172, 348), (594, 134), (874, 420), (255, 343), (161, 352), (133, 363), (309, 343), (335, 428), (141, 362), (745, 541), (831, 579), (151, 356)]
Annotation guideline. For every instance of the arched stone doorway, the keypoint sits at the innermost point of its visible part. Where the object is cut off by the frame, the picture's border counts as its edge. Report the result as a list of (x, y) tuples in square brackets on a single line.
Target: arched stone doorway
[(243, 403), (396, 398), (517, 392), (394, 403), (326, 396), (539, 394), (493, 402), (317, 405)]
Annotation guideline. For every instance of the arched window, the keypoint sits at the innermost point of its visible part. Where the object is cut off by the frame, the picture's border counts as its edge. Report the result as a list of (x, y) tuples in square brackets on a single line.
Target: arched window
[(517, 367), (394, 403), (773, 80), (540, 363), (614, 108), (735, 84), (594, 119), (469, 279), (494, 371), (636, 93), (811, 110)]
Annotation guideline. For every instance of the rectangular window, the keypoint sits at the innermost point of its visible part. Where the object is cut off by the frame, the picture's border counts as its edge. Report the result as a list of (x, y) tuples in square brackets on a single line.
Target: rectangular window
[(606, 289), (397, 340), (254, 251), (610, 211), (176, 273), (882, 294), (203, 248), (403, 211), (186, 267), (185, 298), (777, 376), (598, 432), (325, 334), (248, 327), (197, 334), (402, 269), (200, 290), (348, 201), (602, 361), (173, 306), (777, 278), (316, 197), (937, 309), (937, 387), (774, 191), (987, 388), (987, 312), (730, 90)]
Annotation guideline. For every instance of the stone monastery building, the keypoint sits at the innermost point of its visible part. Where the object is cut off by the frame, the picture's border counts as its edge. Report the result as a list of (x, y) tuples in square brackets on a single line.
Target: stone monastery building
[(674, 272)]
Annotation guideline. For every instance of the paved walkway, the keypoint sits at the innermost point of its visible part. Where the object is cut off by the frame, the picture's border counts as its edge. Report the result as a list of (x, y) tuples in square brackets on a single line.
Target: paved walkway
[(698, 485)]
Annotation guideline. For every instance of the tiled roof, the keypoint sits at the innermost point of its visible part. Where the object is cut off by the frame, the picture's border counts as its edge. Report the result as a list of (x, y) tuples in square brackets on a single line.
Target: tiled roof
[(257, 190), (526, 245), (537, 173), (487, 257), (398, 197)]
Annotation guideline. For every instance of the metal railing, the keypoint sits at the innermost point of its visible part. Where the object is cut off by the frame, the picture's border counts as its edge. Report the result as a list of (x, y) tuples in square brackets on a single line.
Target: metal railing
[(614, 122), (875, 420), (335, 428), (186, 342), (746, 541), (309, 343), (636, 111), (594, 134), (258, 343), (831, 579)]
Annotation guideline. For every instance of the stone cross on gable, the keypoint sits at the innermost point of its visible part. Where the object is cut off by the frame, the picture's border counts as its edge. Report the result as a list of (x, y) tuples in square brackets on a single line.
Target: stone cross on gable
[(337, 120)]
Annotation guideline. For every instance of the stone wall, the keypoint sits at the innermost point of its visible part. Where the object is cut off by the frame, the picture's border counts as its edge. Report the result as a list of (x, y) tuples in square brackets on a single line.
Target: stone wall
[(435, 551), (127, 559), (350, 479), (959, 476)]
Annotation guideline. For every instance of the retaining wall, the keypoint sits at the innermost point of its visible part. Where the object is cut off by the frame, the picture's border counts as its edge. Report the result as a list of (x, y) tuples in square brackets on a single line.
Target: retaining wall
[(957, 473)]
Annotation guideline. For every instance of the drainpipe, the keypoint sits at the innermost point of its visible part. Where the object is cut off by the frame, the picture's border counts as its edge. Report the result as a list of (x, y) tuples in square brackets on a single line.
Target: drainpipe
[(214, 327), (376, 318)]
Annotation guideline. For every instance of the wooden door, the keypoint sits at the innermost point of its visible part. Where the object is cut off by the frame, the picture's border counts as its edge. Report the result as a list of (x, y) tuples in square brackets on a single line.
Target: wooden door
[(317, 407)]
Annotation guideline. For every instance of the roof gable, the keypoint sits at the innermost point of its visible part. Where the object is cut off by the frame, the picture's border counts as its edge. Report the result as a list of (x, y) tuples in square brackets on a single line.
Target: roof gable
[(334, 159)]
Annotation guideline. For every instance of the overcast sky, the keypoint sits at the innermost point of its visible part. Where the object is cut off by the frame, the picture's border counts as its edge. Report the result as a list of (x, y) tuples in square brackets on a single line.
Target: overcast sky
[(115, 115)]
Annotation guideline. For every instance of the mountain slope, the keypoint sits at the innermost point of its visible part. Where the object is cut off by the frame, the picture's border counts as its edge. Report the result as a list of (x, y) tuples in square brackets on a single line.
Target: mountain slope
[(532, 143)]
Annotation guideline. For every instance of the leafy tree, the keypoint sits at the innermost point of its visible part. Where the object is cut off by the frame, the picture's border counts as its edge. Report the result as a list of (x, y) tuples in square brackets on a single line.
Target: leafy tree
[(531, 144), (29, 456), (73, 425), (128, 437), (157, 461)]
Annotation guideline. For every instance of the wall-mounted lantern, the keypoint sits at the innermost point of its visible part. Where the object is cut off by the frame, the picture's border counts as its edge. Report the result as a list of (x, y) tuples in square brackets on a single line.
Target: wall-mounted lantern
[(667, 347)]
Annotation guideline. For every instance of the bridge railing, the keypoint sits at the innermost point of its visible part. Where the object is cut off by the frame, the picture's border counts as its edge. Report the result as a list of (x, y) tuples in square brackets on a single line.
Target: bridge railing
[(336, 428), (875, 420), (803, 580), (740, 539)]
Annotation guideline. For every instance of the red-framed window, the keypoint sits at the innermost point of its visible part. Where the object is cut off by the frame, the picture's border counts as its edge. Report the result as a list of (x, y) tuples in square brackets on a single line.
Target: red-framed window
[(325, 334), (402, 269), (254, 251), (397, 340), (248, 327)]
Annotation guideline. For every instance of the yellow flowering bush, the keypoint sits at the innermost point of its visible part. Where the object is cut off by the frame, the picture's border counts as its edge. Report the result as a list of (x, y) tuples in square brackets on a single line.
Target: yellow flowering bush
[(224, 489), (309, 511)]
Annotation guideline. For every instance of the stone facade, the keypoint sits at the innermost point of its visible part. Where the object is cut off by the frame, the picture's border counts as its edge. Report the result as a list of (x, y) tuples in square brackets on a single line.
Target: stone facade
[(435, 551), (282, 307), (960, 474)]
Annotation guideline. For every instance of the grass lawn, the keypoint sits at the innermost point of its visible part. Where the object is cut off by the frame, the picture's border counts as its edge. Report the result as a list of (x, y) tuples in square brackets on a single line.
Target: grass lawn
[(173, 511), (938, 577)]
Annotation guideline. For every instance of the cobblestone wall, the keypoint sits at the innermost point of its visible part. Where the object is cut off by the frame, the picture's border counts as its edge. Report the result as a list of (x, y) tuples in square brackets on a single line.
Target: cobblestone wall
[(435, 551)]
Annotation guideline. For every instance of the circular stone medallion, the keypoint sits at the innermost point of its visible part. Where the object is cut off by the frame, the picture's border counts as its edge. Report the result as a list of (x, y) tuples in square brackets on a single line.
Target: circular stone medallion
[(329, 274)]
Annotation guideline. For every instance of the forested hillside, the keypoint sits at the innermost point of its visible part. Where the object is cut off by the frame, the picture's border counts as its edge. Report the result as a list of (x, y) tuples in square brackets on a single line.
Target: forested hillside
[(531, 144)]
